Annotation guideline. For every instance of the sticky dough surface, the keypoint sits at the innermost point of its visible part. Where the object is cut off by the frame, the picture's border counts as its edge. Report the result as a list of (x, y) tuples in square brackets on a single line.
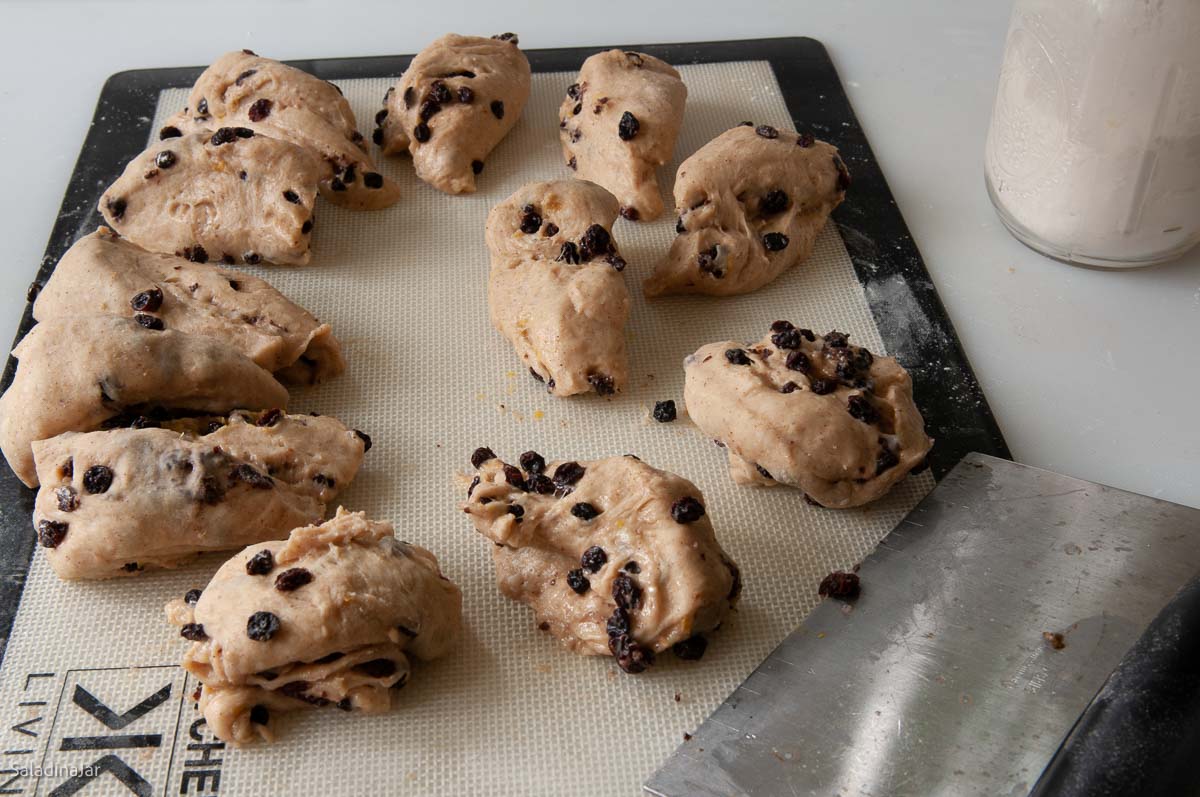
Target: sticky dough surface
[(173, 492), (344, 638), (725, 195), (760, 403)]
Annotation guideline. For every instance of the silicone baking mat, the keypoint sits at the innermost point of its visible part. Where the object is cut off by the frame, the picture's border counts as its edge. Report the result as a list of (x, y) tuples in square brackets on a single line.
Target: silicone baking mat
[(90, 696)]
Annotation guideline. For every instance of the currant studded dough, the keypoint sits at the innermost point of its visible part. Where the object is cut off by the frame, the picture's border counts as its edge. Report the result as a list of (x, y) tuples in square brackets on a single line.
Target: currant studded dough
[(244, 89), (328, 618), (103, 272), (75, 373), (458, 98), (118, 501), (619, 123), (812, 412), (227, 195), (555, 288), (614, 557), (751, 203)]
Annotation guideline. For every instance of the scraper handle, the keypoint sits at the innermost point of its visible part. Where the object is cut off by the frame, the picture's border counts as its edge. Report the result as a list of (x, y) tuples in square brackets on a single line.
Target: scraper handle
[(1140, 735)]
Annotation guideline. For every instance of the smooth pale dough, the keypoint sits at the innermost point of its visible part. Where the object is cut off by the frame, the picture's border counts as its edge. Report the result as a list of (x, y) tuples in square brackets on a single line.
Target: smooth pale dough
[(566, 319), (243, 89), (778, 430), (688, 585), (201, 208), (181, 490), (465, 126), (74, 373), (372, 599), (721, 197), (102, 272), (611, 84)]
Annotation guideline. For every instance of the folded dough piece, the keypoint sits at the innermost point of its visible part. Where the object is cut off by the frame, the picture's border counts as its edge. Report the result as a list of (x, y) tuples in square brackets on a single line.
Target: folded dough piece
[(103, 272), (244, 89), (328, 617), (810, 411), (227, 195), (619, 123), (614, 557), (458, 98), (75, 373), (555, 289), (751, 203), (115, 502)]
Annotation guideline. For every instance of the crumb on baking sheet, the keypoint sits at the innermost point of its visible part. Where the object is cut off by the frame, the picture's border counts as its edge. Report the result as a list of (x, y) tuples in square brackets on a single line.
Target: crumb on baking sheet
[(1054, 639)]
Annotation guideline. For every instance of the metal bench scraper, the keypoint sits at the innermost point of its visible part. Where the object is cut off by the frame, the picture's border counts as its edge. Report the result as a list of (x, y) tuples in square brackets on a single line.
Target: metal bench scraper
[(946, 677)]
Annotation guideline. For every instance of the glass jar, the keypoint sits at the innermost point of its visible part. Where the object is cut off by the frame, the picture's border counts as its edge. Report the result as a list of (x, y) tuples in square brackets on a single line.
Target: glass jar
[(1093, 155)]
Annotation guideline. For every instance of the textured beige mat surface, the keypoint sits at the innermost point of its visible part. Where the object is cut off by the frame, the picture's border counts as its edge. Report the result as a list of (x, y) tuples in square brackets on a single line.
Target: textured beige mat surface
[(511, 713)]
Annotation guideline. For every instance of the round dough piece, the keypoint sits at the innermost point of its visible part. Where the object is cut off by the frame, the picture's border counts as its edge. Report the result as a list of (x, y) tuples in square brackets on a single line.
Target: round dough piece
[(813, 412), (456, 101), (619, 123), (216, 483), (751, 203), (244, 89), (555, 288), (615, 557), (103, 272), (327, 618), (75, 373), (227, 195)]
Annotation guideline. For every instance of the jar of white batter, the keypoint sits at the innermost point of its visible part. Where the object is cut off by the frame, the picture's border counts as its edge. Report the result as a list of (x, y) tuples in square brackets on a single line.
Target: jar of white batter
[(1093, 155)]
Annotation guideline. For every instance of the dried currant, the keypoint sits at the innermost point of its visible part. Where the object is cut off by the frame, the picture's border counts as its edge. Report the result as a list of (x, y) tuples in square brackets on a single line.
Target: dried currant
[(481, 455), (593, 559), (97, 479), (533, 462), (293, 579), (261, 563), (261, 626), (687, 510), (628, 127)]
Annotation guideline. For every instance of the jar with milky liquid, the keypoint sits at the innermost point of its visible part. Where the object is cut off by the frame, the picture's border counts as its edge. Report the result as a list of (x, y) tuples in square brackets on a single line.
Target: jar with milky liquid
[(1093, 155)]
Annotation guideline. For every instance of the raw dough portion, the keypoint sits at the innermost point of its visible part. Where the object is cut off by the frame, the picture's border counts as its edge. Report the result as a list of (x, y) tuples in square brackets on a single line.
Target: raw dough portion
[(244, 89), (361, 604), (458, 98), (75, 373), (115, 502), (103, 272), (751, 203), (595, 549), (555, 288), (202, 208), (619, 123), (808, 411)]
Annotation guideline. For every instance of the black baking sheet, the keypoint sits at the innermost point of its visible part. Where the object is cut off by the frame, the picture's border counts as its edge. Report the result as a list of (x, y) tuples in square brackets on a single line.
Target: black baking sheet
[(904, 302)]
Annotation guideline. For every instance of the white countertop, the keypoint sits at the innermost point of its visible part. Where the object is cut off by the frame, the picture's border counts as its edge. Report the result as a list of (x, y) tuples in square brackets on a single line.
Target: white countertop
[(1095, 374)]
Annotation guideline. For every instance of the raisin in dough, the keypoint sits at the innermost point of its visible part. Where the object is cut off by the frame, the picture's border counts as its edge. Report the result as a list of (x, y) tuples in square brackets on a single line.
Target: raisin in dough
[(228, 195), (619, 123), (751, 203), (103, 272), (75, 373), (327, 618), (555, 289), (244, 89), (115, 502), (614, 557), (812, 412), (458, 98)]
